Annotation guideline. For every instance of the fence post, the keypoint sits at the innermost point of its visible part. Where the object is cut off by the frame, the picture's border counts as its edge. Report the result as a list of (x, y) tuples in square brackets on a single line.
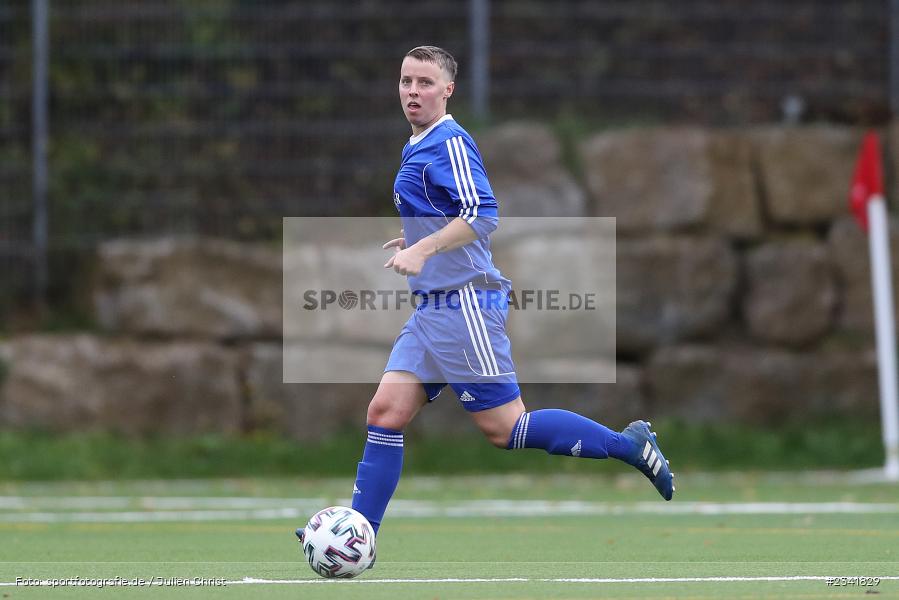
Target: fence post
[(39, 124), (479, 38)]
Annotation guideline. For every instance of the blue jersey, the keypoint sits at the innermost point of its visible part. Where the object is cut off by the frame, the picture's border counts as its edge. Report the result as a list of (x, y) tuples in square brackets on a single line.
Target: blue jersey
[(442, 177)]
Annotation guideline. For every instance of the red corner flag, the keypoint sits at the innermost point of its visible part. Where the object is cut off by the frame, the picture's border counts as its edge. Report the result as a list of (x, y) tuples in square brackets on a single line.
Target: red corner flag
[(868, 179)]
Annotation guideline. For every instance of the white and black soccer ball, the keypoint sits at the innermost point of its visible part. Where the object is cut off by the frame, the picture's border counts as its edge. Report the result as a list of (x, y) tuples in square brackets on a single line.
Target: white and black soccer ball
[(339, 542)]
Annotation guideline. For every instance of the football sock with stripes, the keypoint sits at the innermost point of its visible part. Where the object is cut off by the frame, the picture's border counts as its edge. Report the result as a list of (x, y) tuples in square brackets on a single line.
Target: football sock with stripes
[(563, 432), (378, 473)]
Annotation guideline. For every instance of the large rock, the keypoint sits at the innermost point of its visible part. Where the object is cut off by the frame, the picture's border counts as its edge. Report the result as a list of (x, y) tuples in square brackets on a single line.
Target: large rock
[(552, 192), (189, 287), (82, 382), (671, 289), (614, 404), (519, 148), (368, 312), (566, 369), (672, 178), (335, 362), (734, 206), (806, 172), (578, 262), (791, 295), (524, 163), (848, 247), (760, 386), (307, 411)]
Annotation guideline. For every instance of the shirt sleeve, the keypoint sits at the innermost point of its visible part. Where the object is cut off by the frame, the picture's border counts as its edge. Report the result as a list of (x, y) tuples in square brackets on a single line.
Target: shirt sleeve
[(460, 172)]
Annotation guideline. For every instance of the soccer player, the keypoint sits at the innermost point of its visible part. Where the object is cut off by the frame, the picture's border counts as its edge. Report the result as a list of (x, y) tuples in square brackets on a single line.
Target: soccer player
[(457, 334)]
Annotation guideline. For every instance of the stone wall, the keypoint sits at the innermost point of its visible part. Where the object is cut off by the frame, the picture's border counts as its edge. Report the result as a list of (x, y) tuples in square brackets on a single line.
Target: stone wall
[(743, 294)]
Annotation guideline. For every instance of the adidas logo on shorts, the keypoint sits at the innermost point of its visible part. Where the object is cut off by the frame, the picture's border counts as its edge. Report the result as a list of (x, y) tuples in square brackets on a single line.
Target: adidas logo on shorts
[(466, 397)]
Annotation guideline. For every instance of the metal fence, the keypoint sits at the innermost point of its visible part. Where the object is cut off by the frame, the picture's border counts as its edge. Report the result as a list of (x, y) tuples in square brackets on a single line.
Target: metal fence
[(222, 116)]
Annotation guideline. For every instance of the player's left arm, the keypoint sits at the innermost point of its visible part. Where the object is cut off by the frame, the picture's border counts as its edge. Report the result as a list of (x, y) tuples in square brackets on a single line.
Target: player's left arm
[(460, 172)]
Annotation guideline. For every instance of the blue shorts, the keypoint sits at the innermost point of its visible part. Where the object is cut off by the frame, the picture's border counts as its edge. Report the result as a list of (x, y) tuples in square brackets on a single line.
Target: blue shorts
[(459, 338)]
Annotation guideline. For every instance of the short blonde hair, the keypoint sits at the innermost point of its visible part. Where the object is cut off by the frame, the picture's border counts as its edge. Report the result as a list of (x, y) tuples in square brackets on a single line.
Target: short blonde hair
[(438, 56)]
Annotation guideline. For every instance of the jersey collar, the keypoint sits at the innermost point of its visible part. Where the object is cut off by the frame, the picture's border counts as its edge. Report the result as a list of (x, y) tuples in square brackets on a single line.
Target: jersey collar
[(417, 138)]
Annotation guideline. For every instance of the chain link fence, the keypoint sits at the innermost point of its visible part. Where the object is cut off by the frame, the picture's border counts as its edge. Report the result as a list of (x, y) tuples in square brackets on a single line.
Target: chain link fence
[(222, 116)]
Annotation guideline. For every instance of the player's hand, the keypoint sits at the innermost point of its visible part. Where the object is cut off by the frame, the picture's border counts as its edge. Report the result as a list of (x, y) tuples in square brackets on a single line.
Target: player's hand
[(399, 242), (408, 261), (395, 243)]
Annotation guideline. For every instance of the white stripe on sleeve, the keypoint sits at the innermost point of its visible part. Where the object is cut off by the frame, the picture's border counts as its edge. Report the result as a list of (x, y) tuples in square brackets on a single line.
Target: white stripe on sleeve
[(458, 175), (474, 192)]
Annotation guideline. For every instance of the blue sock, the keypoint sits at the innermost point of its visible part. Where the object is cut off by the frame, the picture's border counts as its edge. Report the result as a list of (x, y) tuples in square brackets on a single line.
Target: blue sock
[(378, 473), (567, 433)]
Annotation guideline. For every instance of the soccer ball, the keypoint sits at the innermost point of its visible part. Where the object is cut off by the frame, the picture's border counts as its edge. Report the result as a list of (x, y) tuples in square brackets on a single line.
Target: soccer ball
[(339, 542)]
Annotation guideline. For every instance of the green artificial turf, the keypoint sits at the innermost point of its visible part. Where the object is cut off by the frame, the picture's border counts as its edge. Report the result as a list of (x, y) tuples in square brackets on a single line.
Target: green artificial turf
[(41, 539)]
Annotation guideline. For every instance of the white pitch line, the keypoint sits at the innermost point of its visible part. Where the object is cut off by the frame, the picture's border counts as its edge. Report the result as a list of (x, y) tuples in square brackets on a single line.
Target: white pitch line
[(14, 509), (154, 502), (251, 580), (498, 508), (154, 517)]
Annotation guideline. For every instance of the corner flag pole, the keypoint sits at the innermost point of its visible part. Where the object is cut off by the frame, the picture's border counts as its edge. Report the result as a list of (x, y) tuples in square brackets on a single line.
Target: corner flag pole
[(869, 205)]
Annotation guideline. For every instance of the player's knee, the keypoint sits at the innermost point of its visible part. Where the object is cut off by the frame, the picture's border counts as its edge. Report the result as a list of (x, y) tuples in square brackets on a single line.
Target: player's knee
[(498, 439), (496, 434), (382, 412), (498, 423)]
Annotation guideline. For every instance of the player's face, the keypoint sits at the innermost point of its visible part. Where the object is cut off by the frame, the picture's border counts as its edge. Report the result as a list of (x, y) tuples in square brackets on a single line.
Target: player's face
[(424, 89)]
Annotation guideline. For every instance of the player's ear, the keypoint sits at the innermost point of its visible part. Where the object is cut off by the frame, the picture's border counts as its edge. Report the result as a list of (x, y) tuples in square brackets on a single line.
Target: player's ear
[(449, 89)]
